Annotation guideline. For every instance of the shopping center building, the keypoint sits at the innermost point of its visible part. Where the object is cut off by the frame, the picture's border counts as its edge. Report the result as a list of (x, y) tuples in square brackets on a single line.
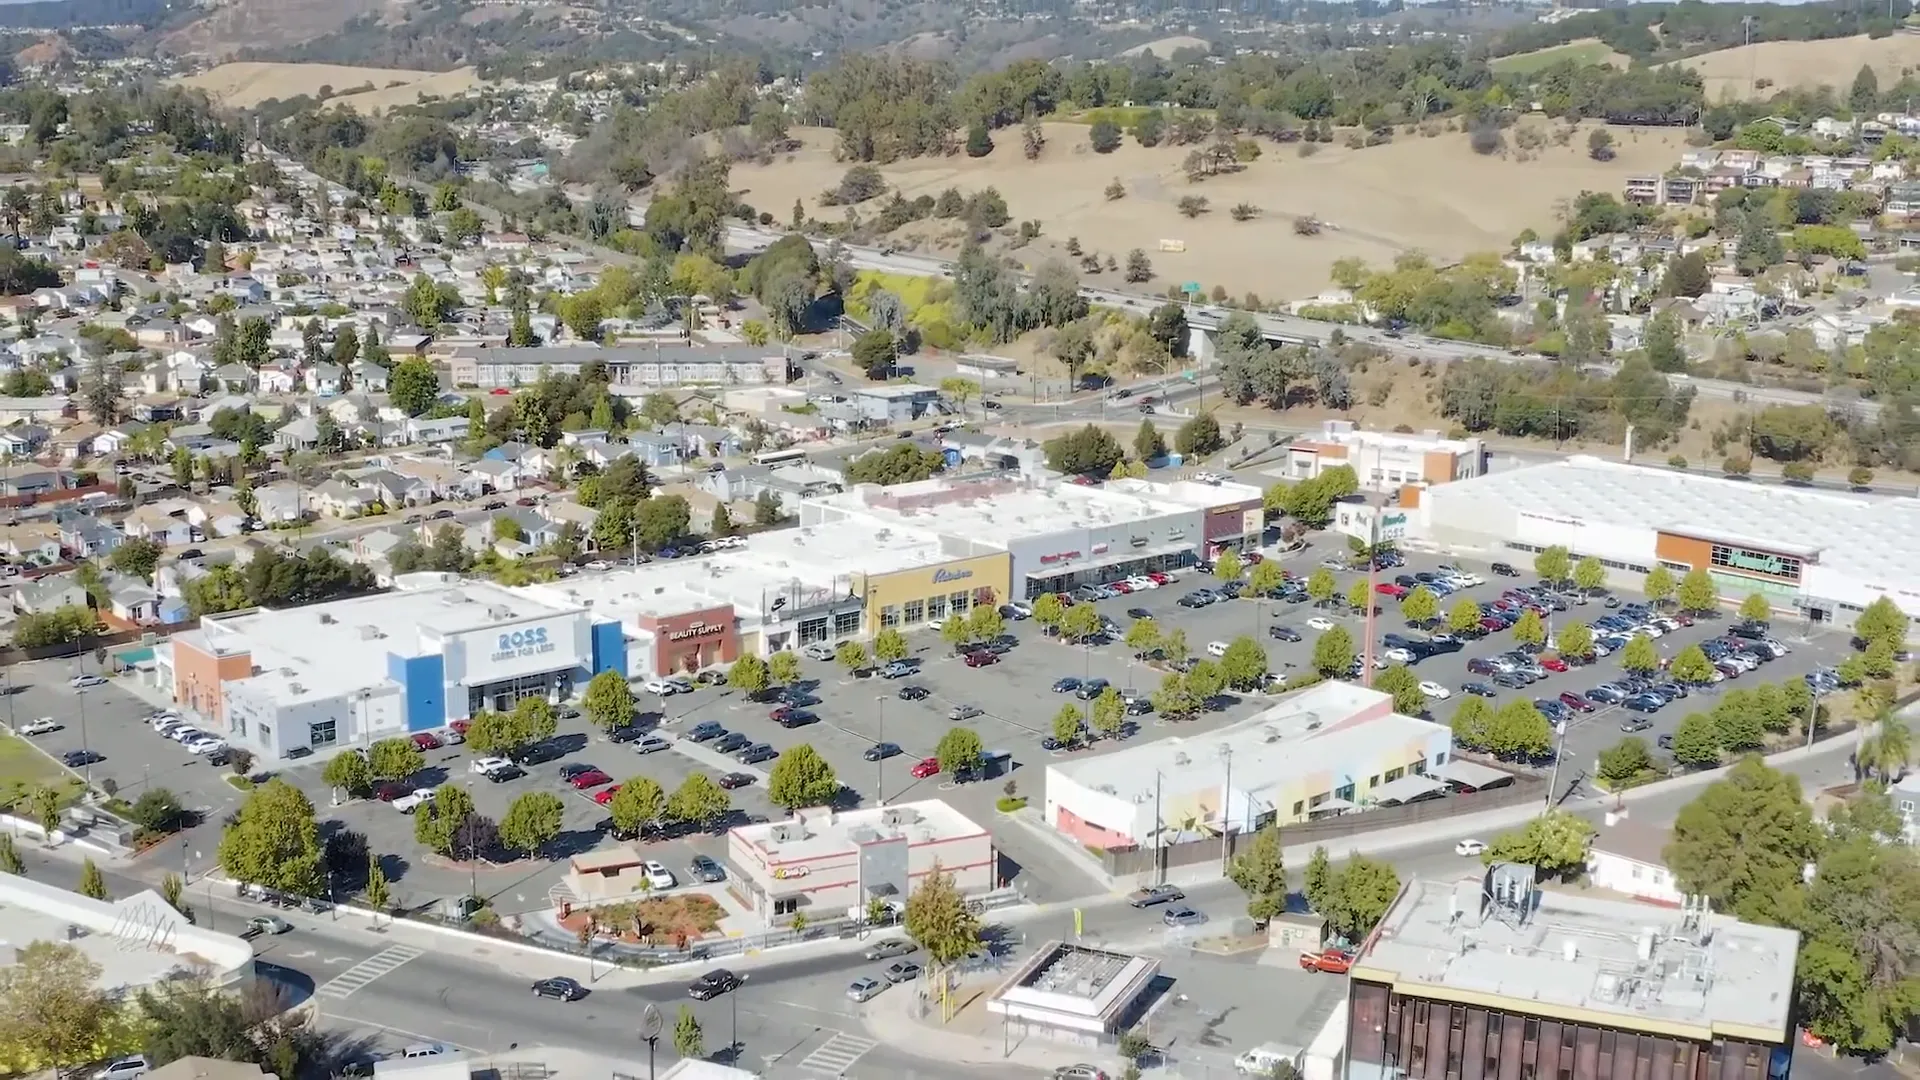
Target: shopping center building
[(1824, 554), (335, 675)]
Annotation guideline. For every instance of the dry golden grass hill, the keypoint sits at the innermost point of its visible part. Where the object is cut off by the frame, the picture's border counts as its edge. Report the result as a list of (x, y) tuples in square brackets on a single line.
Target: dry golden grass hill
[(1784, 64), (242, 85)]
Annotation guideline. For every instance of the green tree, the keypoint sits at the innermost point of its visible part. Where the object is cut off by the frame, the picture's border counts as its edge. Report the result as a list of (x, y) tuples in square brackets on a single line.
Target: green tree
[(1333, 652), (890, 645), (395, 759), (1659, 585), (1081, 621), (1554, 844), (1109, 713), (1519, 731), (1148, 444), (1261, 873), (1400, 681), (1882, 621), (608, 701), (1696, 742), (802, 778), (956, 630), (1362, 891), (1690, 665), (783, 667), (1359, 597), (1318, 882), (1174, 644), (274, 841), (10, 861), (1244, 664), (1624, 761), (1143, 636), (698, 801), (378, 895), (1227, 567), (1530, 629), (1697, 592), (639, 802), (1321, 586), (688, 1040), (1590, 574), (1464, 616), (750, 676), (438, 821), (939, 921), (1755, 607), (531, 822), (1265, 578), (1421, 606), (55, 1013), (1737, 723), (348, 772), (1199, 437), (1173, 698), (852, 655), (1885, 753), (1067, 724), (93, 883), (1640, 657), (1553, 564), (1743, 842), (1574, 640), (960, 749), (1472, 722), (413, 386), (173, 890), (986, 623), (136, 556)]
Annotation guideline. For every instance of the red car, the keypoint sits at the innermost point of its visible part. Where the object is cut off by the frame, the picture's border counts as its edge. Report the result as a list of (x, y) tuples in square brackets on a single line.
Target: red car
[(461, 726), (1332, 961), (427, 740), (1253, 558), (927, 767), (588, 778), (500, 391), (1120, 587), (1492, 625), (1159, 578), (390, 792), (1065, 600), (780, 713), (1388, 588), (981, 658), (1575, 702), (1682, 618), (1553, 663), (605, 795)]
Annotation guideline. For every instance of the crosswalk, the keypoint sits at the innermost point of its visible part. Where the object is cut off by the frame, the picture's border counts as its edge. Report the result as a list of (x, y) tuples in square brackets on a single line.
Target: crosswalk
[(367, 970), (835, 1056)]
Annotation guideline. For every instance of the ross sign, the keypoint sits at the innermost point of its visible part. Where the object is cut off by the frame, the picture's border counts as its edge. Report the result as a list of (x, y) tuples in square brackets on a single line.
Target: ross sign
[(1369, 523), (945, 575), (696, 630), (518, 643)]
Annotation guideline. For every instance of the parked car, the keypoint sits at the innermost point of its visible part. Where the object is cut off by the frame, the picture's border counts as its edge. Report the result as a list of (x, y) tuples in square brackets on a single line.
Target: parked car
[(896, 669), (37, 727), (88, 682), (914, 693), (427, 740), (1470, 847), (902, 971), (651, 744), (704, 868), (924, 768), (865, 988), (1331, 961), (982, 658), (413, 800), (734, 780)]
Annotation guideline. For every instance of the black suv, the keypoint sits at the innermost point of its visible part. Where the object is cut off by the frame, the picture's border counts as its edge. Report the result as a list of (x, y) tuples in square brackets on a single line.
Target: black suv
[(1283, 633), (704, 730)]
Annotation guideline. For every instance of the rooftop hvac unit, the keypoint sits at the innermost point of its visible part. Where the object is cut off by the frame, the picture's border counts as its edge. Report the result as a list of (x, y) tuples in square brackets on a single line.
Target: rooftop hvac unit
[(1181, 758), (326, 619)]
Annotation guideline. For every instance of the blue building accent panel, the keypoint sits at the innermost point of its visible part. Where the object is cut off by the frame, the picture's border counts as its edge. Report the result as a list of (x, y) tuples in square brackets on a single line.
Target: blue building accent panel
[(423, 691), (609, 648)]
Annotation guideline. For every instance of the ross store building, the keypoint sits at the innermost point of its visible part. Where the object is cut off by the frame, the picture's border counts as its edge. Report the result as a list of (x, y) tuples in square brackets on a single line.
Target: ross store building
[(1823, 554), (329, 676), (827, 862)]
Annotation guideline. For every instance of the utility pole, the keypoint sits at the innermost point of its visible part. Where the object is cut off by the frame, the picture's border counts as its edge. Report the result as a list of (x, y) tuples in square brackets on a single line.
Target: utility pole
[(1226, 809), (1560, 751), (1373, 576)]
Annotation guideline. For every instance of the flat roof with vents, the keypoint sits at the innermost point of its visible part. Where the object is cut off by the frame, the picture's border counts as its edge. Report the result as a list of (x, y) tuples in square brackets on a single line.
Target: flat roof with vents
[(1075, 988), (1000, 512), (820, 831), (1498, 939)]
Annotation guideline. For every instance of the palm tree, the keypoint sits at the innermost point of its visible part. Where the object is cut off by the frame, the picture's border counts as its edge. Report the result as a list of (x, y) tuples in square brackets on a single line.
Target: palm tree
[(1886, 752)]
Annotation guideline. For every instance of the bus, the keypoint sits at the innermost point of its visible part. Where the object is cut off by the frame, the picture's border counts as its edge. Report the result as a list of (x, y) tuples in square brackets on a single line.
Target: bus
[(780, 457)]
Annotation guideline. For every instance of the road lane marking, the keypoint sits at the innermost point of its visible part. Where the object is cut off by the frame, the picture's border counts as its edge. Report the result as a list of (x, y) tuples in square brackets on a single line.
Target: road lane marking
[(364, 972)]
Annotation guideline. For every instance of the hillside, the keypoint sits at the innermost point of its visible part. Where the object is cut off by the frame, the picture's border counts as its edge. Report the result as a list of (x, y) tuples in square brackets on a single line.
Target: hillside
[(1585, 51), (246, 84), (1796, 64), (243, 25)]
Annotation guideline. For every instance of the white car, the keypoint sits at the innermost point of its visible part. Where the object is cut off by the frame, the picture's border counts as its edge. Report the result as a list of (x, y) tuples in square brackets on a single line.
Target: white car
[(1398, 656), (164, 716), (83, 682), (658, 876), (680, 683), (1469, 847), (1209, 477), (186, 734), (822, 651), (1138, 583), (1649, 630), (1435, 690), (38, 727), (485, 765), (599, 566), (1216, 648), (1320, 622), (413, 800), (1664, 623), (1601, 650), (126, 1068), (661, 687), (206, 746)]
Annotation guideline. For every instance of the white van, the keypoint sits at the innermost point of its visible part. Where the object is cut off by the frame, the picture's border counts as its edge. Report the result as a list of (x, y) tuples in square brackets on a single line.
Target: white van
[(1216, 648), (1261, 1060)]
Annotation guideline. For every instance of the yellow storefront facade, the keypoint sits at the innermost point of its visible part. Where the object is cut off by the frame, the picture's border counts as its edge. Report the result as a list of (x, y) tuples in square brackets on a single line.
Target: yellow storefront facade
[(910, 599)]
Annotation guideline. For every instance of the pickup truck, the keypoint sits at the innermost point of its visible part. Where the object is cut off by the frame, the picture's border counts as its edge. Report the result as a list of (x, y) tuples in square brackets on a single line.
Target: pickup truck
[(413, 800), (1331, 961)]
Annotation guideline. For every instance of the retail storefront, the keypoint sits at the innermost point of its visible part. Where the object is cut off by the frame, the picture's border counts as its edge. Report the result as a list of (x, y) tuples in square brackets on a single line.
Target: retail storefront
[(910, 598), (1235, 526), (496, 667), (1061, 562), (1739, 569), (693, 640)]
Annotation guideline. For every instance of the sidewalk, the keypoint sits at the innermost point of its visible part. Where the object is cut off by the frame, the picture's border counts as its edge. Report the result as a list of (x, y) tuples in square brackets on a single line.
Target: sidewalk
[(973, 1036)]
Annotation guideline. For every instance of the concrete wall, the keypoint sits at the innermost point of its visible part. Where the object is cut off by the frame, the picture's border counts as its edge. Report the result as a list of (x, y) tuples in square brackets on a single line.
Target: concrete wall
[(226, 961)]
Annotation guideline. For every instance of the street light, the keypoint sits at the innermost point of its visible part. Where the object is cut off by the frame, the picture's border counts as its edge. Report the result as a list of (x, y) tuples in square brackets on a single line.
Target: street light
[(880, 752)]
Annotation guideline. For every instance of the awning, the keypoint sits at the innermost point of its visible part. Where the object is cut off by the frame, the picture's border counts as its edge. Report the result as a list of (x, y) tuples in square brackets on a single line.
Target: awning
[(1111, 558), (1406, 789), (1471, 774), (1331, 806)]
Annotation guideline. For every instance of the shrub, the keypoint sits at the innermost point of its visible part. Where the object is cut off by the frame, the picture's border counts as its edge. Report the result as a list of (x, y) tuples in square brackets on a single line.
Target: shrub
[(1010, 804)]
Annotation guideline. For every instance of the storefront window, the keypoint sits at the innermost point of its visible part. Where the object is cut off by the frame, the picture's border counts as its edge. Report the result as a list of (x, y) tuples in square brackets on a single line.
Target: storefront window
[(786, 905), (813, 630), (846, 623), (914, 612), (890, 615), (958, 602), (322, 734)]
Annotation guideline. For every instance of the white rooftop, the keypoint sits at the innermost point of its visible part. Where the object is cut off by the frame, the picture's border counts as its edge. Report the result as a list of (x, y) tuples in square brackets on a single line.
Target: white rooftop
[(1867, 536), (821, 831), (1189, 493), (322, 651), (994, 513), (1344, 433), (136, 940), (1499, 935), (1314, 731)]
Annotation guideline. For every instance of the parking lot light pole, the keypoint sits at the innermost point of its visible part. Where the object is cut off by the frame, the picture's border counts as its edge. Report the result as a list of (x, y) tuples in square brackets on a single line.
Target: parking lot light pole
[(880, 761)]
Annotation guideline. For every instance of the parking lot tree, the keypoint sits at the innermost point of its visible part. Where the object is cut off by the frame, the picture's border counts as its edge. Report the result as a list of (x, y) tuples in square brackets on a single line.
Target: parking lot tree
[(938, 919), (802, 778), (438, 821), (1199, 437), (1737, 723), (1175, 645), (1885, 753), (10, 861), (698, 801), (1697, 593), (1590, 574), (1696, 742), (1081, 621), (377, 893), (639, 801), (93, 884), (1206, 681), (1554, 844), (1880, 621), (1173, 698), (1244, 663), (490, 732), (1228, 567), (1109, 713), (1321, 585), (1333, 652), (1744, 841), (1659, 585), (1519, 731), (986, 623), (1472, 722), (1464, 616), (1690, 665), (1755, 607), (783, 667), (1067, 724), (43, 807), (531, 822), (1400, 681), (608, 701), (1553, 564), (1574, 640), (157, 810), (1148, 443), (1421, 606), (395, 759), (1317, 881), (1530, 629), (1261, 873), (1876, 660), (56, 1016), (1143, 636), (853, 656), (1265, 578), (1047, 610), (1624, 762), (960, 748), (1359, 596), (750, 676), (274, 841), (890, 645), (688, 1040), (1640, 657), (956, 630)]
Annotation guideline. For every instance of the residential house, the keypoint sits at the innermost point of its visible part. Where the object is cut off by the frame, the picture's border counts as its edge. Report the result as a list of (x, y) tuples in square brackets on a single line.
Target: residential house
[(132, 600), (300, 434), (164, 522), (32, 410), (499, 475), (278, 379), (87, 537), (394, 489), (31, 541), (656, 450), (113, 442), (279, 503), (1644, 190), (74, 443), (23, 440), (49, 593), (1626, 857), (1903, 199), (369, 376), (336, 499), (436, 431), (324, 378), (706, 440)]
